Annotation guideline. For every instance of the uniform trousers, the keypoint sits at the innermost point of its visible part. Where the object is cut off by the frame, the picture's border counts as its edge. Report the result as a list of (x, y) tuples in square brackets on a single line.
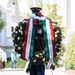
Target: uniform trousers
[(37, 70)]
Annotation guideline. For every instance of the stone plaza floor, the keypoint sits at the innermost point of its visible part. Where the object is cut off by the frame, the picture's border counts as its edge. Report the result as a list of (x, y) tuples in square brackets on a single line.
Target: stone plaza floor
[(9, 71)]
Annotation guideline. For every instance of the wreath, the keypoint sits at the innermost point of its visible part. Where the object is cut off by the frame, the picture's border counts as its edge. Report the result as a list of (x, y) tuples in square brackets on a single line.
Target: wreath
[(18, 36)]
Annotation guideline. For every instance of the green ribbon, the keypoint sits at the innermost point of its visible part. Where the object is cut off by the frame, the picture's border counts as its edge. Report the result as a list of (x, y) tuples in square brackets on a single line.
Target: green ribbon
[(41, 22), (46, 41)]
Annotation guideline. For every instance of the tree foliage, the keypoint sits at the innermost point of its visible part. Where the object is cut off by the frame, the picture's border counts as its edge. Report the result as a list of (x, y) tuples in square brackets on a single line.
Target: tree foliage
[(69, 62), (50, 11), (1, 21)]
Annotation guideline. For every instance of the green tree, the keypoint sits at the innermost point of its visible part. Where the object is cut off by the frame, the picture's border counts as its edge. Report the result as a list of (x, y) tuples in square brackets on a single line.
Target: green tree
[(51, 12), (69, 61), (1, 21)]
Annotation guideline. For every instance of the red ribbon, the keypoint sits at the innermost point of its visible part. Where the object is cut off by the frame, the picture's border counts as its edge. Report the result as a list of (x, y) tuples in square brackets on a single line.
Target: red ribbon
[(53, 41), (25, 40)]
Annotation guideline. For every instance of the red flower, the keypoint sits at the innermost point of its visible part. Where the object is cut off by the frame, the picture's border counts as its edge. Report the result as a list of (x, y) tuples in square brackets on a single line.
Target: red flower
[(58, 27), (39, 14), (38, 59)]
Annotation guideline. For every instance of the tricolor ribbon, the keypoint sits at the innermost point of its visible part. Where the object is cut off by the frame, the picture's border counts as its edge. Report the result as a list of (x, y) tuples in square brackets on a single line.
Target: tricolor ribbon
[(27, 39), (28, 47), (49, 37)]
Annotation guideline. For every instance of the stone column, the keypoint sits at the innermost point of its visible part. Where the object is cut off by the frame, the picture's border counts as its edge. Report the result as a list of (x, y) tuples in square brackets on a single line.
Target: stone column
[(68, 26), (72, 16)]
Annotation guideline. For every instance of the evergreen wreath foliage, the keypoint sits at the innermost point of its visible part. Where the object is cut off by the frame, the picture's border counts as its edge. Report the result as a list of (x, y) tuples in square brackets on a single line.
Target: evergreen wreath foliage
[(18, 36)]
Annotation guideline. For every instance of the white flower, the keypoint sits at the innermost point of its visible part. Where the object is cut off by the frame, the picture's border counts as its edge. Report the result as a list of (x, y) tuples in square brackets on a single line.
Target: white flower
[(15, 44), (34, 60), (19, 30), (37, 55), (19, 48), (55, 35), (40, 53), (57, 31), (43, 59), (16, 32), (42, 18), (18, 38), (43, 52), (37, 17), (23, 21)]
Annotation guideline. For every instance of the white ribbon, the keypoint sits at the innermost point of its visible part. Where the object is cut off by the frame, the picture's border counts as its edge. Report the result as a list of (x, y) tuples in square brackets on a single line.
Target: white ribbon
[(29, 39), (37, 17), (49, 38)]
